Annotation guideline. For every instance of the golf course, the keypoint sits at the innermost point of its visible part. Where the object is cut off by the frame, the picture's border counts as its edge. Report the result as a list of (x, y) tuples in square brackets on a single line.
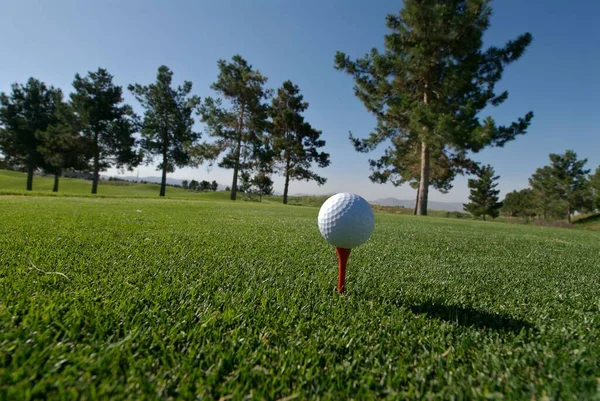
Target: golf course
[(146, 298), (317, 200)]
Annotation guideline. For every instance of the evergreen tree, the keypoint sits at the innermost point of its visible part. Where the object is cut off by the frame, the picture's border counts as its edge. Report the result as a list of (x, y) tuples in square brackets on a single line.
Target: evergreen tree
[(204, 185), (569, 181), (545, 197), (429, 85), (239, 129), (62, 145), (167, 130), (193, 185), (263, 183), (214, 186), (595, 186), (107, 124), (295, 142), (245, 182), (185, 184), (29, 109), (484, 195), (519, 203)]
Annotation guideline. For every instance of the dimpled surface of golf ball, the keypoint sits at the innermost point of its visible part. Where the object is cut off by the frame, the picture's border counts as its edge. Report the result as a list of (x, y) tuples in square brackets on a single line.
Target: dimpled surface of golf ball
[(346, 220)]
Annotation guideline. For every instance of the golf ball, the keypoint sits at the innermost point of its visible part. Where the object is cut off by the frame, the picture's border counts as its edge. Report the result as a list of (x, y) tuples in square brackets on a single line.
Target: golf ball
[(346, 220)]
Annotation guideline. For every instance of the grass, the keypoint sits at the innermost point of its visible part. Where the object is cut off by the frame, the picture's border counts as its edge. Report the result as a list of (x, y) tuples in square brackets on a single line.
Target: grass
[(13, 183), (590, 222), (177, 299)]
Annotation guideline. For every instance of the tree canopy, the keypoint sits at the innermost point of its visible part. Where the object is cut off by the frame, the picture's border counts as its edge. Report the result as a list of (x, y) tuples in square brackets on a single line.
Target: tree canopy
[(484, 195), (295, 143), (168, 124), (107, 123), (427, 88), (28, 110), (239, 128)]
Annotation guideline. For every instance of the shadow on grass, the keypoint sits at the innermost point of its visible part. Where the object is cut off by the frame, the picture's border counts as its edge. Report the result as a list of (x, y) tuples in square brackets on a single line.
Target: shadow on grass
[(469, 317), (595, 218)]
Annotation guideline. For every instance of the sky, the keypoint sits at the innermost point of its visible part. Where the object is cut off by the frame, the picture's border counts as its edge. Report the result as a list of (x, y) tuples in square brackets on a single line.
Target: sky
[(557, 78)]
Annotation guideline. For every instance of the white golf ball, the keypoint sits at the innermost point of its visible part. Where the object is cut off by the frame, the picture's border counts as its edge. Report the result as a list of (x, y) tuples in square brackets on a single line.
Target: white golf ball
[(346, 220)]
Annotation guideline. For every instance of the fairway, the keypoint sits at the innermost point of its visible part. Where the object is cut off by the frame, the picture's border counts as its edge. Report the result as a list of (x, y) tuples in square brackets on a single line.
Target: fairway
[(160, 298)]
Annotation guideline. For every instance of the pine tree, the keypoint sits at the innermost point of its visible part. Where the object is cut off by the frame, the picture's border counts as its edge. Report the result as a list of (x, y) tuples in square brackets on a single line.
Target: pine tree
[(295, 142), (239, 129), (429, 85), (263, 183), (569, 181), (595, 186), (519, 203), (167, 129), (108, 125), (29, 109), (546, 200), (484, 195), (62, 144)]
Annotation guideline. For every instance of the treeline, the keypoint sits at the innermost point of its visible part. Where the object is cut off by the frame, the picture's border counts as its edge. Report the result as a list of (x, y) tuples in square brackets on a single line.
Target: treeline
[(203, 185), (255, 131), (556, 191)]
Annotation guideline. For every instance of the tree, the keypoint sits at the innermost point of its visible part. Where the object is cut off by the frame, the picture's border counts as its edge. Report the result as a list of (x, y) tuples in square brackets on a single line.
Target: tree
[(484, 195), (595, 186), (239, 128), (167, 130), (214, 186), (29, 109), (431, 82), (295, 143), (545, 198), (204, 185), (185, 184), (193, 185), (108, 125), (62, 144), (569, 181), (263, 183), (245, 182), (519, 203)]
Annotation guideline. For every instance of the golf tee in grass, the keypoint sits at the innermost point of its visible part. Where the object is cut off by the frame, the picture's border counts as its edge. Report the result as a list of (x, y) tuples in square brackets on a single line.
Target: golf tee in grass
[(343, 254)]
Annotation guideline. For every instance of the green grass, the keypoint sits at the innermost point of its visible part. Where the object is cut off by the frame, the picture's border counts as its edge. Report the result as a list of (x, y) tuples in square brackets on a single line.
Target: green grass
[(176, 299), (13, 183)]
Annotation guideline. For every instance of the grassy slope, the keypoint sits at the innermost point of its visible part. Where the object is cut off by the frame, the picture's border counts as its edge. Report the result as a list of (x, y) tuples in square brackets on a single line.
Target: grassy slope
[(12, 183), (173, 298)]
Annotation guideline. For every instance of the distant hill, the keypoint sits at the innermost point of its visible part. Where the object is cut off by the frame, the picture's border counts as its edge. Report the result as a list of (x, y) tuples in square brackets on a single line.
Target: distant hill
[(446, 206)]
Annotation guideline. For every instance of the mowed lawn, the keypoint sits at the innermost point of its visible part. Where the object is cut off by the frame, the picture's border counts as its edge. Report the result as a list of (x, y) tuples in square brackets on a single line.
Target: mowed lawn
[(177, 299), (14, 182)]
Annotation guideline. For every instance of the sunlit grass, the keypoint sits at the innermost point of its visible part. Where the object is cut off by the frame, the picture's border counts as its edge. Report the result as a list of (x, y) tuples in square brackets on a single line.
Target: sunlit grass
[(157, 299)]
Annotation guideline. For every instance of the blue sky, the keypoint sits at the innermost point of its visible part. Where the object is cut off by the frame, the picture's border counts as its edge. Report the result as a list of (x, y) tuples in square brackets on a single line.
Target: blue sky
[(557, 78)]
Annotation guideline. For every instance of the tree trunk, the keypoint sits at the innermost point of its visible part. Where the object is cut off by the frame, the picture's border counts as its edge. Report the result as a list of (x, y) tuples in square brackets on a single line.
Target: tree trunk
[(416, 202), (287, 179), (484, 217), (56, 177), (30, 169), (163, 181), (569, 214), (96, 165), (424, 183), (238, 150)]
